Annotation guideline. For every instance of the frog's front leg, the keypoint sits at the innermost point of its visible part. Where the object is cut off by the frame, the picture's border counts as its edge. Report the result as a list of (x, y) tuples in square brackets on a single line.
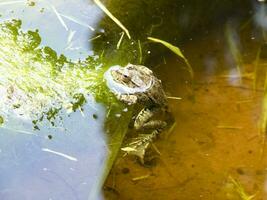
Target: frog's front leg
[(127, 98), (143, 121)]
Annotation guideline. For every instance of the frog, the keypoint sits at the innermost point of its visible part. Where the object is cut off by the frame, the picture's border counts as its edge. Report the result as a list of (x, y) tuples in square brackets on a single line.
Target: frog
[(137, 84)]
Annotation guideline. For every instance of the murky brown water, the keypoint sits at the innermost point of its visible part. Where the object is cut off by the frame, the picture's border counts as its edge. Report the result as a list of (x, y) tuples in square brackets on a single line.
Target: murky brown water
[(215, 144)]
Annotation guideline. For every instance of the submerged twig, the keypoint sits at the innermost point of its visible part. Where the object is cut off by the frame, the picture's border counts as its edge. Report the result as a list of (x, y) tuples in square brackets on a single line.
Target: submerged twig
[(140, 52), (94, 38), (175, 98), (60, 154), (70, 36), (77, 21), (59, 18), (171, 129), (108, 13), (141, 177), (120, 40), (155, 148), (230, 127)]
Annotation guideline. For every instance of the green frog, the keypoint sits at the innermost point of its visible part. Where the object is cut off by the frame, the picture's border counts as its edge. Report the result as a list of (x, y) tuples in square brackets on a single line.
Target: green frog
[(136, 84)]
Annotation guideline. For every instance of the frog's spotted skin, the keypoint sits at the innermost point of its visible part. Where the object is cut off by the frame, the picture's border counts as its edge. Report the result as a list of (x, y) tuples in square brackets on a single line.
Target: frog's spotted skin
[(137, 84)]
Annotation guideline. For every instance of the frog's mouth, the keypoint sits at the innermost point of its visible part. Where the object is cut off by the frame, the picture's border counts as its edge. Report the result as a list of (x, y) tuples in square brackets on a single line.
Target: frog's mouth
[(119, 88)]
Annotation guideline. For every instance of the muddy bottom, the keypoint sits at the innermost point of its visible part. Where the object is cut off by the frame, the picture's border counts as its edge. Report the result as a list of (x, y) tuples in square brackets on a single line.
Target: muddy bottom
[(215, 150)]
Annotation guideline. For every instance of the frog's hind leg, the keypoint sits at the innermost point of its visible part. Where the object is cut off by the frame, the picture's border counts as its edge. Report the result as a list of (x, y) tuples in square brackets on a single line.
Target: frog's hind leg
[(144, 116), (155, 124), (143, 121), (140, 144)]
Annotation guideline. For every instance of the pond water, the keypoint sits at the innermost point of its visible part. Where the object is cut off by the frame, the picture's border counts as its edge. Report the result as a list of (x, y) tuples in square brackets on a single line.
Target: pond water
[(216, 148)]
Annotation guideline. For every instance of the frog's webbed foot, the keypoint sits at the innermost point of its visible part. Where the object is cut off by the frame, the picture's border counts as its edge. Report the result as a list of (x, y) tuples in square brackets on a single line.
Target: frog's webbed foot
[(139, 145)]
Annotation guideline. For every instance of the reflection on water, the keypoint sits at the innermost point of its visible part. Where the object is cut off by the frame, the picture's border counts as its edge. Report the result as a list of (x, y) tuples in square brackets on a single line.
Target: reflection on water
[(65, 26), (62, 158), (215, 150), (67, 166)]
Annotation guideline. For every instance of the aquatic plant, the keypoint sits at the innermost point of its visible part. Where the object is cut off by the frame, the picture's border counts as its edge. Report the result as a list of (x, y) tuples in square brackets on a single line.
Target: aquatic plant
[(239, 190), (234, 48), (37, 84), (105, 10), (175, 50), (35, 81)]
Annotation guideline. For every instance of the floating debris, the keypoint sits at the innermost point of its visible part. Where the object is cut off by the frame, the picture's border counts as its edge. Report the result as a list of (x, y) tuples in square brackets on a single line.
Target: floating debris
[(59, 18), (139, 178), (175, 98), (77, 21), (60, 154)]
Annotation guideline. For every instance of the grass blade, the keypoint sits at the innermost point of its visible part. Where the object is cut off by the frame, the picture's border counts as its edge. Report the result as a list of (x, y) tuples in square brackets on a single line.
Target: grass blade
[(175, 50), (119, 43), (105, 10), (240, 190)]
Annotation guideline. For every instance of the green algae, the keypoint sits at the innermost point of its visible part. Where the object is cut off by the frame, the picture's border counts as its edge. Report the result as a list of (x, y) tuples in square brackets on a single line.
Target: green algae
[(1, 120), (42, 82), (31, 3)]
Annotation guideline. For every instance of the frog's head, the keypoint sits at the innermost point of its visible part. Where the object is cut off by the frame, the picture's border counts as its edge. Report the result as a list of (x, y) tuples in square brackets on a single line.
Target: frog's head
[(131, 76), (121, 75), (130, 79)]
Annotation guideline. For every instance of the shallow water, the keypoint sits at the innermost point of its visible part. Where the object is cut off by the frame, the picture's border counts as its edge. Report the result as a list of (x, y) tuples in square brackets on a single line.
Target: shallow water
[(53, 144), (214, 151), (216, 141)]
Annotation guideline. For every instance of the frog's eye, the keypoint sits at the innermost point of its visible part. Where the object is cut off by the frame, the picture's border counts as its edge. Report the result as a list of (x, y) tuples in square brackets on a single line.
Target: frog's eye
[(125, 74)]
